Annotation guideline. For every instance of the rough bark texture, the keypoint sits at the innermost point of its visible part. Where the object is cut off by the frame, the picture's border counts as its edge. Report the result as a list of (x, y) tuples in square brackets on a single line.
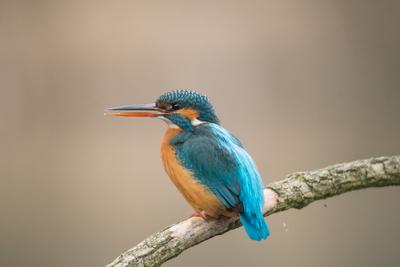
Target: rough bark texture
[(296, 191)]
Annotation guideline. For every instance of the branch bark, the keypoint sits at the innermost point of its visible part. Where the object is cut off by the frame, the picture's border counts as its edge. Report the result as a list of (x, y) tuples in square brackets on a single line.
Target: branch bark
[(296, 191)]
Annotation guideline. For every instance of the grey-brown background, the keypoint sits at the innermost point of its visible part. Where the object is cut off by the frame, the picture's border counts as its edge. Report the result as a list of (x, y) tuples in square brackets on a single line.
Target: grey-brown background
[(304, 84)]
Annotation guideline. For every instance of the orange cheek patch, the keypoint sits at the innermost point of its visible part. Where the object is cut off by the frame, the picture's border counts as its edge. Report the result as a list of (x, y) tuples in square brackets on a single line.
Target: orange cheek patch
[(189, 113)]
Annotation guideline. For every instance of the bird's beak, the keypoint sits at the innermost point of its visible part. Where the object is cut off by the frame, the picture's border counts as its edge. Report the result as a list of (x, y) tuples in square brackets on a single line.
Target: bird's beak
[(141, 110)]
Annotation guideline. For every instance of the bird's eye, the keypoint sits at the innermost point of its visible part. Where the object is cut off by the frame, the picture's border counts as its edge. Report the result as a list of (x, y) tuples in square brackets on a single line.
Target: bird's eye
[(176, 106), (169, 107)]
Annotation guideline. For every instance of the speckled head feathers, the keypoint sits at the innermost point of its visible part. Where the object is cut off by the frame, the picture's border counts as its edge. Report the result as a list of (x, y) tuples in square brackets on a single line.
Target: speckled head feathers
[(192, 100)]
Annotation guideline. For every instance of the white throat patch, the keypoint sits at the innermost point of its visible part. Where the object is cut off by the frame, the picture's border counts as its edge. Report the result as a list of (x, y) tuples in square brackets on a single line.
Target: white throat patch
[(169, 123), (195, 122)]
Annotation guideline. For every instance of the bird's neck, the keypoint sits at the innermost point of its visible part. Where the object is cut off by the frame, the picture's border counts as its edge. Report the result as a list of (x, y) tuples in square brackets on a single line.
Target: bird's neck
[(174, 136), (181, 122)]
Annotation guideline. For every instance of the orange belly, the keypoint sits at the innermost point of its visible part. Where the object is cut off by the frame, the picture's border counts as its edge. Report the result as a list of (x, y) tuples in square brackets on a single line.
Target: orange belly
[(194, 192)]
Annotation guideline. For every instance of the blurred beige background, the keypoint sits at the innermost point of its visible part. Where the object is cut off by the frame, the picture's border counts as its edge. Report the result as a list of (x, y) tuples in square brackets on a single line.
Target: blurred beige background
[(304, 84)]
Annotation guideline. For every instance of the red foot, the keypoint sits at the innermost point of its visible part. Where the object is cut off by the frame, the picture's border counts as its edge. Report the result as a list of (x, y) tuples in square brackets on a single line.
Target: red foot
[(200, 214)]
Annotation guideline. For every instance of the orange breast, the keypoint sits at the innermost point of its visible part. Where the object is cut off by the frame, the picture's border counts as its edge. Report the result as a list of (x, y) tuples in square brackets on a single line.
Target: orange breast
[(195, 193)]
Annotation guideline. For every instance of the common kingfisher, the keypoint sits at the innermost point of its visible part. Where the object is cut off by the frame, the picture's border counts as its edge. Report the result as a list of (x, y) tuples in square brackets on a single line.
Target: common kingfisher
[(208, 165)]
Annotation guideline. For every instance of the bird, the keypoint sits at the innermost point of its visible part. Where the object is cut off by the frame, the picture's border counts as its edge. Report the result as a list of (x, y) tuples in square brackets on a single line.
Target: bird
[(209, 165)]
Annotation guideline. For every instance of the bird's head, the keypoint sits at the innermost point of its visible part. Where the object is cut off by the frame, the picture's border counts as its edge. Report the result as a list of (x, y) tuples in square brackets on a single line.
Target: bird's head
[(180, 108)]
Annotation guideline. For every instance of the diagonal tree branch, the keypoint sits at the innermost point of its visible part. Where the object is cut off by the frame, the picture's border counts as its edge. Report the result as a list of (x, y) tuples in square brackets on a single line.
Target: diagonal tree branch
[(296, 191)]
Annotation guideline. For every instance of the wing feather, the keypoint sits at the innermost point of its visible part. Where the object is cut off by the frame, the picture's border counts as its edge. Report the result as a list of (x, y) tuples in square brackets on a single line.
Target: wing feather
[(218, 160)]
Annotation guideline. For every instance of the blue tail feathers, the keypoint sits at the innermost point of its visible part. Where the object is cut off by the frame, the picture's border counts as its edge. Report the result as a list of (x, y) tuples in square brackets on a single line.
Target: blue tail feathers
[(256, 227)]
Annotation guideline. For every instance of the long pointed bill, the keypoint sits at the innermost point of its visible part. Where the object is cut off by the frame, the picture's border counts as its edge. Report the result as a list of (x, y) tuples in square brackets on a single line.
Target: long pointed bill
[(142, 110)]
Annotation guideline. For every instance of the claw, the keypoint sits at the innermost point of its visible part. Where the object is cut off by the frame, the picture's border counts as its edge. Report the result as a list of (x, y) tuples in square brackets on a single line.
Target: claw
[(200, 214)]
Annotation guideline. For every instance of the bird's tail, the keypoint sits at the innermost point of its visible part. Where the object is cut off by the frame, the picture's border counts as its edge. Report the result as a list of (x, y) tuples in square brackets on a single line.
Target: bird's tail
[(255, 225)]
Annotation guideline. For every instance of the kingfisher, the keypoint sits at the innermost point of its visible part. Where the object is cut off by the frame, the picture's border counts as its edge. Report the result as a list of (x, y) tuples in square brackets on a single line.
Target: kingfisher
[(209, 165)]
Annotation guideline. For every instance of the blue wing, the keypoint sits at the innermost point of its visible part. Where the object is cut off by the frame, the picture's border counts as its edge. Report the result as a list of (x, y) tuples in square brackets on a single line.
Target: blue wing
[(218, 160)]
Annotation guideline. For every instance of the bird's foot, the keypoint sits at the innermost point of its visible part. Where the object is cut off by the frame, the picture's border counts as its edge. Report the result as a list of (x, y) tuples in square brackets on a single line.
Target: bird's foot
[(200, 214)]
